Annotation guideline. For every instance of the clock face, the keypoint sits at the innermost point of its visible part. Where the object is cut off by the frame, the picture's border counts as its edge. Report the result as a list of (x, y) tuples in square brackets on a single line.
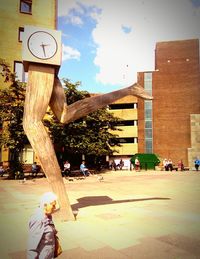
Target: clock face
[(42, 45)]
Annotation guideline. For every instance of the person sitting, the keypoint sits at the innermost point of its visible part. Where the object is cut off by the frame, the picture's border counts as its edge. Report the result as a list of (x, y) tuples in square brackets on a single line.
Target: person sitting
[(84, 169), (35, 169), (121, 164), (66, 170), (180, 165), (170, 165), (2, 171), (165, 164), (113, 165)]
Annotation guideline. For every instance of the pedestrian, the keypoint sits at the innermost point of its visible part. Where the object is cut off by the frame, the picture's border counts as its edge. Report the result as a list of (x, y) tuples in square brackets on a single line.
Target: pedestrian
[(42, 231), (197, 164), (137, 164)]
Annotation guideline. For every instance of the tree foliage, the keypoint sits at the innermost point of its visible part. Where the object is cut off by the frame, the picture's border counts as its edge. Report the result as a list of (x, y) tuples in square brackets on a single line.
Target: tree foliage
[(89, 135), (11, 113)]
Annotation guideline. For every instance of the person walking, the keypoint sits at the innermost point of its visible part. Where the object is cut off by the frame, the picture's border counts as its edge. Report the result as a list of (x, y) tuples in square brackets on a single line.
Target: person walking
[(197, 164), (42, 231)]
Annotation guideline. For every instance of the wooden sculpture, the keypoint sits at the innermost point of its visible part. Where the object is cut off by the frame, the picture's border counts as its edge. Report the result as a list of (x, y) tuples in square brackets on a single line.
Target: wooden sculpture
[(41, 56)]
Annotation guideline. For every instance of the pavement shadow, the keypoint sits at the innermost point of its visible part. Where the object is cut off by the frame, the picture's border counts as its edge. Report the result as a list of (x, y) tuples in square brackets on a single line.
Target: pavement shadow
[(104, 200)]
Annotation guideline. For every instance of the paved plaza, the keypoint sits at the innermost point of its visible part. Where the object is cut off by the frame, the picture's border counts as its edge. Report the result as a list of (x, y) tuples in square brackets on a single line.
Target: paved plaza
[(143, 215)]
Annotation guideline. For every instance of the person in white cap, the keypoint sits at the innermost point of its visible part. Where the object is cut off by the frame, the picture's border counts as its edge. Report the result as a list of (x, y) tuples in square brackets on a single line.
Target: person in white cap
[(42, 231)]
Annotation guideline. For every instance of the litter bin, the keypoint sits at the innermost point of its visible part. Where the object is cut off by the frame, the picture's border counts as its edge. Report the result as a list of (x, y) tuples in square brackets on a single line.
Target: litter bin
[(147, 161)]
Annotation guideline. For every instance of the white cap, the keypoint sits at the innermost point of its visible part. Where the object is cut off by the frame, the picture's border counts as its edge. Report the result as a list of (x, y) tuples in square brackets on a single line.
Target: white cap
[(47, 198)]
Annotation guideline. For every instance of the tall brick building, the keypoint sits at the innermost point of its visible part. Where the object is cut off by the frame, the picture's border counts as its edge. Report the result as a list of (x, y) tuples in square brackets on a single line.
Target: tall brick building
[(165, 123)]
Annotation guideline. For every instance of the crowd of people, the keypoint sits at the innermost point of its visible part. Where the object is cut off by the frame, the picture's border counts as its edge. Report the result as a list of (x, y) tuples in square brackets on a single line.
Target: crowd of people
[(168, 164), (119, 165), (67, 169), (114, 165)]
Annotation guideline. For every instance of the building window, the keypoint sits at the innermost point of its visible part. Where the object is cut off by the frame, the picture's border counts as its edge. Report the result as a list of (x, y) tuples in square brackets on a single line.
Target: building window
[(26, 6), (148, 114), (20, 34), (27, 155), (148, 124), (19, 71), (118, 141), (122, 106), (125, 123), (149, 146)]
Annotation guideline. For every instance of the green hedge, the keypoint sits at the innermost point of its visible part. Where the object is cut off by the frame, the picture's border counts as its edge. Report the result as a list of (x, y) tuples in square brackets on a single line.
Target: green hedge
[(147, 161)]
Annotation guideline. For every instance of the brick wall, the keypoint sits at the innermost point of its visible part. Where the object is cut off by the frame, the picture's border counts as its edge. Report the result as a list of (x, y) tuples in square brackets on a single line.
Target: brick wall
[(176, 92)]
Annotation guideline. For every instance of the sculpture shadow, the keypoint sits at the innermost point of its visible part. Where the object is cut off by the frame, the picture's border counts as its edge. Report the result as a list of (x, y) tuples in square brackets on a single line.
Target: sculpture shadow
[(105, 200)]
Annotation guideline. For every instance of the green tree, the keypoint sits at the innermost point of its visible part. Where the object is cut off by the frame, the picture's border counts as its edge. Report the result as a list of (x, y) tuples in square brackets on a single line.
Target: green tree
[(11, 114), (89, 135)]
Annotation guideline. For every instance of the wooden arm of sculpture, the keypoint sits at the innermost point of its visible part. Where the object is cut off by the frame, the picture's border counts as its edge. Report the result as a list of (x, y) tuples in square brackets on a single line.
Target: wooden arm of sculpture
[(83, 107)]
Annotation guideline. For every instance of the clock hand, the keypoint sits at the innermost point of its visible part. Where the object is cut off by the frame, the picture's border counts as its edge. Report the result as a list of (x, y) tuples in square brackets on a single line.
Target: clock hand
[(43, 47)]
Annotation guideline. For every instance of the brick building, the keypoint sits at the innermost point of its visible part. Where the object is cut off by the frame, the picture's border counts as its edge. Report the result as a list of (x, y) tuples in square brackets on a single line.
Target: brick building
[(164, 123)]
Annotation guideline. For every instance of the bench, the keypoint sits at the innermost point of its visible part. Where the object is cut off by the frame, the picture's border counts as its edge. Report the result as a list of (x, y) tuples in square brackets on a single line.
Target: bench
[(77, 173), (5, 172), (27, 170)]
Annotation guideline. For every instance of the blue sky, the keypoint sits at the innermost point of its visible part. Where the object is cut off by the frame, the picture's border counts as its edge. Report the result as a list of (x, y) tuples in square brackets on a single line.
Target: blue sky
[(106, 42)]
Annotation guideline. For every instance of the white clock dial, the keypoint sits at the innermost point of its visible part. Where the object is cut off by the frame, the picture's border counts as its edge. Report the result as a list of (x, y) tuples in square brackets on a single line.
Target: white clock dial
[(42, 45)]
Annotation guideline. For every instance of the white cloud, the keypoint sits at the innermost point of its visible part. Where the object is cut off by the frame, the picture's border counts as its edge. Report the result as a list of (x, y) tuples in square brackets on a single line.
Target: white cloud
[(120, 55), (75, 20), (69, 53), (64, 6), (71, 10)]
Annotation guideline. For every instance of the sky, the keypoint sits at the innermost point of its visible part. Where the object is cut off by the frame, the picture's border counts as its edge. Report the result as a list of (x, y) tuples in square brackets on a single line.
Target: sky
[(106, 42)]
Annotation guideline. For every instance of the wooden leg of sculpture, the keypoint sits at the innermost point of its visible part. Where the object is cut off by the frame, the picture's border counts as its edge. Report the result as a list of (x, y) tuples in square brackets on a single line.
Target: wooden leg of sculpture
[(38, 94), (58, 100), (83, 107)]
